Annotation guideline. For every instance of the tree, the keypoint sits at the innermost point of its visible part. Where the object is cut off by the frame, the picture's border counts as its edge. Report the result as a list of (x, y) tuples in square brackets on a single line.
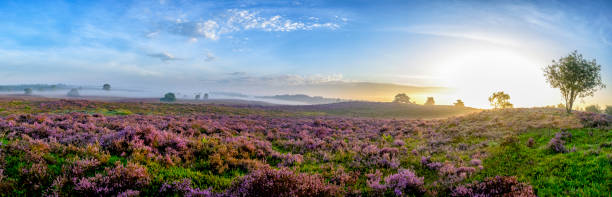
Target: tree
[(500, 100), (106, 86), (168, 97), (459, 103), (593, 108), (402, 98), (27, 91), (197, 97), (609, 110), (205, 96), (430, 101), (73, 92), (574, 77)]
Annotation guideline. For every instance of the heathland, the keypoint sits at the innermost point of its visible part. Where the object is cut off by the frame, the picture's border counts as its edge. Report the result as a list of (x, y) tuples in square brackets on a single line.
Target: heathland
[(56, 147)]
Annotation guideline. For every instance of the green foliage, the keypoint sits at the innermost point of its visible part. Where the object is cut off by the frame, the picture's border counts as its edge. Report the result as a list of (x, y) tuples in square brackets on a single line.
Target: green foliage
[(607, 111), (106, 86), (500, 100), (575, 77)]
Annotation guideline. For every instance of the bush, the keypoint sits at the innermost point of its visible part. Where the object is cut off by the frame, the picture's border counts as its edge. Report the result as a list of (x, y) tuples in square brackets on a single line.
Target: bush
[(497, 186), (556, 143), (283, 182), (405, 182), (608, 110)]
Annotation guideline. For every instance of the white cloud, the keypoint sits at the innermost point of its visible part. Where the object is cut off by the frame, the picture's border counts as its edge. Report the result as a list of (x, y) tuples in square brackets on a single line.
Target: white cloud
[(235, 20), (209, 29)]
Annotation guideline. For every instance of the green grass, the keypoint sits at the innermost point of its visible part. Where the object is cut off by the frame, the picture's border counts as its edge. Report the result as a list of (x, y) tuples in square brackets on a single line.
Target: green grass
[(585, 172)]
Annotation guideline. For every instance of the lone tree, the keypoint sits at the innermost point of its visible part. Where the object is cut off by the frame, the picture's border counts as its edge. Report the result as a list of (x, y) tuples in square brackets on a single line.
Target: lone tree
[(205, 96), (402, 98), (459, 103), (27, 91), (168, 97), (575, 77), (430, 101), (500, 100), (106, 86), (197, 97)]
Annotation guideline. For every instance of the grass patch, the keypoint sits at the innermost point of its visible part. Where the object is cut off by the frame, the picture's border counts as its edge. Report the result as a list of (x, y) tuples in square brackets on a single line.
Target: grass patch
[(585, 172)]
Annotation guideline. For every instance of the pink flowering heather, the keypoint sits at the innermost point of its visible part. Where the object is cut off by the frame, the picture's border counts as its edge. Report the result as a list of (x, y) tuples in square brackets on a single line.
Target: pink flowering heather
[(496, 186), (405, 182), (268, 182)]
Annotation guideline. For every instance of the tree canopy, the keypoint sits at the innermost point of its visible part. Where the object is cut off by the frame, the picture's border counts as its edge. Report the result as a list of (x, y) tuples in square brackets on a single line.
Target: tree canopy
[(168, 97), (575, 77), (106, 86), (500, 100), (402, 98), (459, 103), (430, 101)]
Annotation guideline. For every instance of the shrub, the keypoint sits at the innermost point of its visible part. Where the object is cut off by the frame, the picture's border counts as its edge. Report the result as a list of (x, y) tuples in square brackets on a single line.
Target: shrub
[(283, 182), (556, 144), (183, 188), (497, 186), (608, 110), (114, 181), (405, 182), (530, 143)]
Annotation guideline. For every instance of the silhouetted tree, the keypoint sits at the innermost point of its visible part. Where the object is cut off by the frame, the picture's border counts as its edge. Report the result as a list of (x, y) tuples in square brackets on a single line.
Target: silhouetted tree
[(609, 110), (500, 100), (106, 86), (27, 91), (459, 103), (205, 96), (197, 97), (430, 101), (593, 108), (575, 77), (74, 92), (402, 98), (168, 97)]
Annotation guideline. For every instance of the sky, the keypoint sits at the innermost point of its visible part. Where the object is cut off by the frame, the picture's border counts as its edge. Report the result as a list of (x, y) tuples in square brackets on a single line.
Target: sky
[(469, 48)]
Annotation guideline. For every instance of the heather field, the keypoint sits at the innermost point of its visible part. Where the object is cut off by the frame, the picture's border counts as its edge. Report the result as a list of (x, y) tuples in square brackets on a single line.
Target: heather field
[(55, 147)]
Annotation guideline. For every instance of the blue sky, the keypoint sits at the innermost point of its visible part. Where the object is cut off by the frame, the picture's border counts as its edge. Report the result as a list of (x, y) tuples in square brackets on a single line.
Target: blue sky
[(474, 47)]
